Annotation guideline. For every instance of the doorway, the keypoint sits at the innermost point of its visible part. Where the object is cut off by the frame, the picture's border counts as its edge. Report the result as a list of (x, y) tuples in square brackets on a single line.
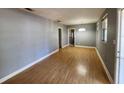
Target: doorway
[(60, 37), (72, 37)]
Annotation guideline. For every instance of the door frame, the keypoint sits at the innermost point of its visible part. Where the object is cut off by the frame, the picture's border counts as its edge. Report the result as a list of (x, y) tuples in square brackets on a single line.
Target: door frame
[(61, 36), (118, 49), (74, 35)]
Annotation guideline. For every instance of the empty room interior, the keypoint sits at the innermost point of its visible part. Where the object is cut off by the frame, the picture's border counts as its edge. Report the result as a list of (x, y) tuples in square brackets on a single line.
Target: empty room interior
[(61, 46)]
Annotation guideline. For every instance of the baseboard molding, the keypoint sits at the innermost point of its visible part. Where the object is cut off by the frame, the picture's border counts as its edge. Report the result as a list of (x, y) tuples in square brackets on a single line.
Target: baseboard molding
[(26, 67), (104, 66), (65, 45), (84, 46)]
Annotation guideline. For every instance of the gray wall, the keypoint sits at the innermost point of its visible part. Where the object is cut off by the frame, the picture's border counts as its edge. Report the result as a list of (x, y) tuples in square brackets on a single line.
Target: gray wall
[(87, 38), (107, 50), (24, 38)]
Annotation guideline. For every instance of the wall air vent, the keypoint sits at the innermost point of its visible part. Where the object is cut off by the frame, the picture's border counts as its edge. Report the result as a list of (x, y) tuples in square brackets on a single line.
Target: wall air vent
[(29, 9), (58, 21)]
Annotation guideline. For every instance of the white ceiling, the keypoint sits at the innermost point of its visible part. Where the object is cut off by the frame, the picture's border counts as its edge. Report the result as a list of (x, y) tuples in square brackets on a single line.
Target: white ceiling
[(70, 16)]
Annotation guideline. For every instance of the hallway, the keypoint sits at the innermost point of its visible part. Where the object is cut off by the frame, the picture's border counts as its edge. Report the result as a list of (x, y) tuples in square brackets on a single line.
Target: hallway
[(69, 66), (54, 46)]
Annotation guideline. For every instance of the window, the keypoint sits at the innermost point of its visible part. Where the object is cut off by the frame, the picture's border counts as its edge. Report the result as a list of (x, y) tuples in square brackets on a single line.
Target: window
[(81, 29), (104, 29), (97, 26)]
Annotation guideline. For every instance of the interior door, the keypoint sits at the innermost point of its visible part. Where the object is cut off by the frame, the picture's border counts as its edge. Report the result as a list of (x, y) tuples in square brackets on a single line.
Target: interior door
[(60, 37), (71, 37)]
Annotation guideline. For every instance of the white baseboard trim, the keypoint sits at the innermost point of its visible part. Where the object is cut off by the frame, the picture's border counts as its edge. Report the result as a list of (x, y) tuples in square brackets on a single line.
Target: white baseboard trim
[(84, 46), (65, 45), (26, 67), (104, 66)]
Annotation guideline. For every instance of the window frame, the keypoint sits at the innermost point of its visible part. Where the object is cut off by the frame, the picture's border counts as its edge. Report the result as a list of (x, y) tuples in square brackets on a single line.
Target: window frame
[(104, 27)]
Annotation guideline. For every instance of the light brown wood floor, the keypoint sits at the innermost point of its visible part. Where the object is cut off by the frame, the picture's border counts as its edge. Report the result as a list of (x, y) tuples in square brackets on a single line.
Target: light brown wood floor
[(69, 65)]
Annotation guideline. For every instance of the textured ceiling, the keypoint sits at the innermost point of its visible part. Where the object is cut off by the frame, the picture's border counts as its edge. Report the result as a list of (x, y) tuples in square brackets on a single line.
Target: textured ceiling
[(70, 16)]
